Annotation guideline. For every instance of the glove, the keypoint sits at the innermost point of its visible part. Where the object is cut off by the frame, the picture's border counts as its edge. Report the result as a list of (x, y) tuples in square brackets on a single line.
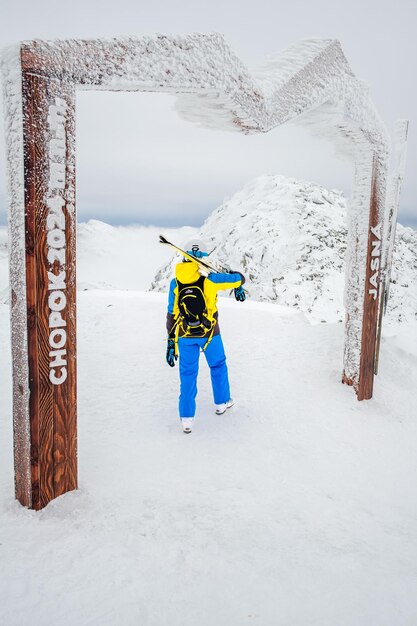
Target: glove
[(240, 294), (171, 356)]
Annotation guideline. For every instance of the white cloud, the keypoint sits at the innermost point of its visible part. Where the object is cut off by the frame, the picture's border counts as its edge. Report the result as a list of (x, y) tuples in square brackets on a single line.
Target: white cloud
[(135, 155)]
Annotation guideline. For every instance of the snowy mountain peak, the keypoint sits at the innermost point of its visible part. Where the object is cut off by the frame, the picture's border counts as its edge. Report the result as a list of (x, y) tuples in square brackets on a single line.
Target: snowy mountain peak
[(289, 239)]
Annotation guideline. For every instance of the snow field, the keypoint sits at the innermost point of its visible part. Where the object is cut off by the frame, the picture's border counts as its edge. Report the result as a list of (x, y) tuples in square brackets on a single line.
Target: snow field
[(298, 506), (121, 257)]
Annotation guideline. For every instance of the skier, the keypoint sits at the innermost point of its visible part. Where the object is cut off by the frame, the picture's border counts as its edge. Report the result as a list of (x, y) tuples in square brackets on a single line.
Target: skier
[(192, 325)]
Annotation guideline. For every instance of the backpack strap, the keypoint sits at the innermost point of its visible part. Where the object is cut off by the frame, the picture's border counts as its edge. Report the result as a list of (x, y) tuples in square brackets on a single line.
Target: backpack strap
[(211, 335)]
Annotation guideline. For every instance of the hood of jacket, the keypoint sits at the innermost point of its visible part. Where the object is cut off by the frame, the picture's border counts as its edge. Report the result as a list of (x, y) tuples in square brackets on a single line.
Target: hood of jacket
[(187, 272)]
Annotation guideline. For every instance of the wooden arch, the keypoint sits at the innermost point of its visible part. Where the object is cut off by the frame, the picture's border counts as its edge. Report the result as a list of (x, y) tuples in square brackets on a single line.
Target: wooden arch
[(311, 81)]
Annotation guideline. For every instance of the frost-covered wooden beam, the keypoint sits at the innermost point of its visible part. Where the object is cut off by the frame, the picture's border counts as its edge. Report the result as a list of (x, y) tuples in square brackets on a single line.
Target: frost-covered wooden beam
[(50, 231), (43, 290), (393, 198), (395, 179), (310, 83)]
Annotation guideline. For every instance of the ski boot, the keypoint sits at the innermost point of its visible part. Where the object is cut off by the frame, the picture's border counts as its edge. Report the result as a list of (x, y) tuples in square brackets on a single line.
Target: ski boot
[(222, 408), (187, 424)]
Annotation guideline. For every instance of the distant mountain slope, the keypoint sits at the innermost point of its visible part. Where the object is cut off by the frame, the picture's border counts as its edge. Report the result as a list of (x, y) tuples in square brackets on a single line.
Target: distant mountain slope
[(110, 257), (289, 239), (121, 257)]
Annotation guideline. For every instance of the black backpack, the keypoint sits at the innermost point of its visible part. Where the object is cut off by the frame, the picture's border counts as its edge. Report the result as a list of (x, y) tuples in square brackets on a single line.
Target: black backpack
[(192, 307)]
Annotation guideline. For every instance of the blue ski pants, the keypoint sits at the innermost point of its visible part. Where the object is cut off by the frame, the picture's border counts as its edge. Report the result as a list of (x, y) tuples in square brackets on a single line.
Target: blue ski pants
[(189, 354)]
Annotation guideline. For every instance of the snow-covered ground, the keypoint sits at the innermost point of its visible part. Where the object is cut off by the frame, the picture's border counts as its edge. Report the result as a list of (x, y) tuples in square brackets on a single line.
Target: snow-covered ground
[(297, 507)]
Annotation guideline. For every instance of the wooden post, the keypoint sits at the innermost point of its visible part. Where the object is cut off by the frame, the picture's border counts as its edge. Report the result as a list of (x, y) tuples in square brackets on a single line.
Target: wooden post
[(371, 295), (50, 224), (394, 188)]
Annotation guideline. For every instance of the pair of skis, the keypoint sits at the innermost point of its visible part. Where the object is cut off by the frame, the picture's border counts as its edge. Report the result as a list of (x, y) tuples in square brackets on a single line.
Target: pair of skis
[(206, 266)]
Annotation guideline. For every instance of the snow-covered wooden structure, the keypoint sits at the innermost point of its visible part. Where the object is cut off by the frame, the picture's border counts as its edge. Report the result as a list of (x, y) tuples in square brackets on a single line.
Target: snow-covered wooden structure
[(311, 82)]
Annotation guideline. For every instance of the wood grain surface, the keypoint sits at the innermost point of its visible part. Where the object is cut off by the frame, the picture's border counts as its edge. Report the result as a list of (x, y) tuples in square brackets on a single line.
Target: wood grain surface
[(52, 408), (370, 306)]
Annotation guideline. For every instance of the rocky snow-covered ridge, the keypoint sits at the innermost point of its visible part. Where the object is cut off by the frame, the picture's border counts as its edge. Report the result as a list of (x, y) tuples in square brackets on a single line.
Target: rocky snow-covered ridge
[(289, 239)]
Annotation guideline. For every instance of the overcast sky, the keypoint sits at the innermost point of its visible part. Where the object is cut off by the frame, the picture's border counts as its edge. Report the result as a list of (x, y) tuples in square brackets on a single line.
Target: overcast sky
[(137, 162)]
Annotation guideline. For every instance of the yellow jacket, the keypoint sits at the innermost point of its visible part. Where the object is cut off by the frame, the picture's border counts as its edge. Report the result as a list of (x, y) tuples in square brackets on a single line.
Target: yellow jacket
[(188, 273)]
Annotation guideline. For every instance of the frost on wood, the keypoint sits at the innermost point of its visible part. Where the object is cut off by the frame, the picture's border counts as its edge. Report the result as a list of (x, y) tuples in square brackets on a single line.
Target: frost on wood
[(12, 86), (393, 197)]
